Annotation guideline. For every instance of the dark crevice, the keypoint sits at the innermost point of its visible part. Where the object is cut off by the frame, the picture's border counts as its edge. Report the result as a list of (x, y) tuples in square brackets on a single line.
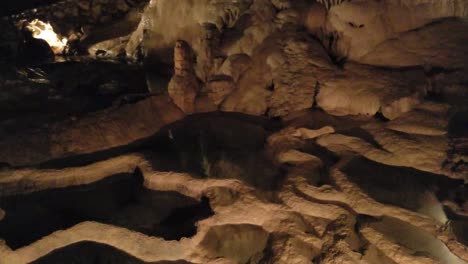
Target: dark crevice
[(268, 253), (328, 41), (86, 159), (316, 93), (306, 197), (327, 157), (432, 71), (406, 187), (119, 200), (364, 135), (93, 253), (271, 87), (458, 143), (366, 248), (434, 22), (88, 253), (355, 25), (183, 218), (379, 116)]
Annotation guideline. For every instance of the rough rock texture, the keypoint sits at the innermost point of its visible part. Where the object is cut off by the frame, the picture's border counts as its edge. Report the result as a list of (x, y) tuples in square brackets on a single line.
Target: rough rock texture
[(104, 130), (366, 90), (183, 87), (444, 51), (363, 28), (300, 223), (219, 89), (89, 25), (274, 131), (71, 15), (289, 70), (426, 153)]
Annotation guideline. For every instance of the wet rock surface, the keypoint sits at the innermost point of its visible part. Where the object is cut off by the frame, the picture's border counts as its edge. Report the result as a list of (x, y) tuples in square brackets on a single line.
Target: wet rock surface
[(266, 131)]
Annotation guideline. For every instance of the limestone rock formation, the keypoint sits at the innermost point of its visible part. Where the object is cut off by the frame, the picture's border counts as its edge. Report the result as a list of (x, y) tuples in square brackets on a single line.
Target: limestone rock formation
[(210, 43), (357, 90), (219, 89), (183, 87), (236, 132), (104, 130), (366, 36)]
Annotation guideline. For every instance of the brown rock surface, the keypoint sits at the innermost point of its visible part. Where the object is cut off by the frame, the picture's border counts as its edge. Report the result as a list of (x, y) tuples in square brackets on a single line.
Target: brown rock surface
[(183, 87), (98, 132), (293, 131)]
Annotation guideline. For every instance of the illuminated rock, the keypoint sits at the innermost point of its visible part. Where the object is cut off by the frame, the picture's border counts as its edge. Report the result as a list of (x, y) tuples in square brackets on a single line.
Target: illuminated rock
[(32, 48), (44, 31), (184, 85), (218, 90), (301, 131)]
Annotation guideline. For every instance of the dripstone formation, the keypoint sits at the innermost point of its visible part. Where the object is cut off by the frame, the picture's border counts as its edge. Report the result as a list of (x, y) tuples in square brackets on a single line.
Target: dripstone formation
[(184, 85), (235, 132)]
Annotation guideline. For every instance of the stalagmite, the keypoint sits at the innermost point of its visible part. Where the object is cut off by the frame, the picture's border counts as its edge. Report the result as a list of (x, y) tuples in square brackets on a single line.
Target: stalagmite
[(184, 86)]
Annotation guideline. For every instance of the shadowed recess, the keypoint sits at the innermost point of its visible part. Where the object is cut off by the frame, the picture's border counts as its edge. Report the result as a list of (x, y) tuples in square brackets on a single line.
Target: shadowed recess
[(218, 145), (88, 253), (405, 187), (119, 200), (93, 253)]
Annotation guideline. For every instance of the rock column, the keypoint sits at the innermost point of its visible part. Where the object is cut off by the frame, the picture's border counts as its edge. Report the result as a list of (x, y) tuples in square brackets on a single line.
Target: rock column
[(184, 85), (210, 42)]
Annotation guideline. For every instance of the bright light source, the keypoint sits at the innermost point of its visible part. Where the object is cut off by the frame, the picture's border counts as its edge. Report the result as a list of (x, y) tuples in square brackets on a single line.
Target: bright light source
[(42, 30)]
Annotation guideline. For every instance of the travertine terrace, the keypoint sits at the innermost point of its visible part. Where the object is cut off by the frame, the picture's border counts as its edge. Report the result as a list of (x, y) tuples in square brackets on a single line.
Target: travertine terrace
[(225, 132)]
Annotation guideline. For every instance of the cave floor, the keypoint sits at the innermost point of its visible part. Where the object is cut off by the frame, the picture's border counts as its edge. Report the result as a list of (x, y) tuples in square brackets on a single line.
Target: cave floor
[(224, 186)]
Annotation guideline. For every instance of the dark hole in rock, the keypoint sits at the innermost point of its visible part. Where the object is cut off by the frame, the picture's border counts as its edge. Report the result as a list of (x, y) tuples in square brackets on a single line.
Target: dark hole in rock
[(459, 226), (458, 125), (379, 116), (351, 24), (271, 87), (457, 133), (119, 200), (370, 252), (93, 253), (320, 177), (100, 53), (183, 218)]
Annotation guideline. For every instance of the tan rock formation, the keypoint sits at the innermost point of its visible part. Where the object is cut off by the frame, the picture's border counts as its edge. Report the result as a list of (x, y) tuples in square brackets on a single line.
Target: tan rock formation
[(218, 90), (309, 138), (299, 223), (209, 45), (184, 85), (104, 130), (396, 37)]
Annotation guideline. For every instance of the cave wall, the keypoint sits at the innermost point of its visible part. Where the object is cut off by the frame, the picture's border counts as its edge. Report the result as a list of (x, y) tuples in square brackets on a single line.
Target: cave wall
[(76, 20)]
